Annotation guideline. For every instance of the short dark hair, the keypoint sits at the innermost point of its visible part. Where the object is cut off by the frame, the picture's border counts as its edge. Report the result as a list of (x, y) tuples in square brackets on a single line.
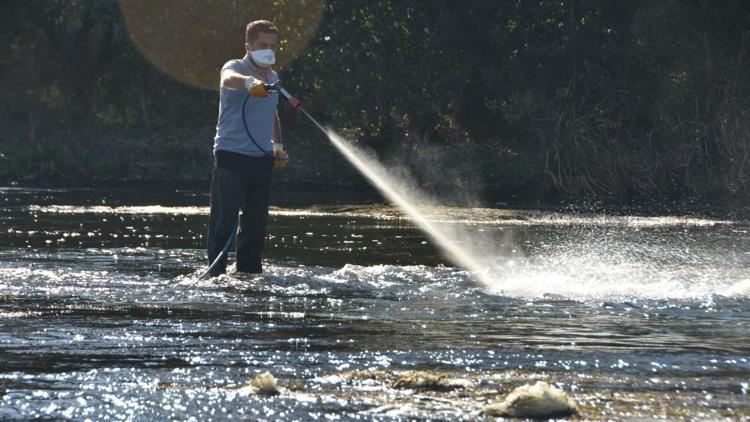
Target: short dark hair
[(256, 27)]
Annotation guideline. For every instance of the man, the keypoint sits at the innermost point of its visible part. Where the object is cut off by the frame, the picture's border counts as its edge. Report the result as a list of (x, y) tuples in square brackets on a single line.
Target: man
[(245, 151)]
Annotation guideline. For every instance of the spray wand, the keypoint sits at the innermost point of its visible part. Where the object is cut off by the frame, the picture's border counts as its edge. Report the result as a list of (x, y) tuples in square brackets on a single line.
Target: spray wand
[(294, 102)]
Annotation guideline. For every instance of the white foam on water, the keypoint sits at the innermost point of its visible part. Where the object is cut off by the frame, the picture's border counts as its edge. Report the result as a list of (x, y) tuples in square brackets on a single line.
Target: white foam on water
[(587, 278), (739, 289)]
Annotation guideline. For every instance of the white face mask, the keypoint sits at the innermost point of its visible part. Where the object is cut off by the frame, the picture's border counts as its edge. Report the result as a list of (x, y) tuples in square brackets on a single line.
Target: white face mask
[(264, 57)]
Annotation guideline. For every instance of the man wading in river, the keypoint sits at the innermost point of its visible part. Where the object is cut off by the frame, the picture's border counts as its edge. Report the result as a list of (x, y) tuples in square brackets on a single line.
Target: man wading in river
[(243, 162)]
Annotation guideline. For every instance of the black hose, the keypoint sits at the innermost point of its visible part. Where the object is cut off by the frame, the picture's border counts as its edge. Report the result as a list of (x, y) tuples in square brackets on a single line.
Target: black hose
[(234, 233)]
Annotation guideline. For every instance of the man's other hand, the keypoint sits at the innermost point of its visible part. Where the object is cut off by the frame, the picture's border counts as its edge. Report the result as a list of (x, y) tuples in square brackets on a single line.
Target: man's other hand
[(294, 102), (281, 158)]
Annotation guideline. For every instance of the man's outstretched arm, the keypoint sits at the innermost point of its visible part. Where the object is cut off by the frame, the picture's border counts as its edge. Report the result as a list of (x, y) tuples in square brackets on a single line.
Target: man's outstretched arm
[(233, 80), (239, 82)]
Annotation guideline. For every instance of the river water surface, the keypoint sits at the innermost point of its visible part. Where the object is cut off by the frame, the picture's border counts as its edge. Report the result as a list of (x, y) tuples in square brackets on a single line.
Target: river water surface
[(102, 315)]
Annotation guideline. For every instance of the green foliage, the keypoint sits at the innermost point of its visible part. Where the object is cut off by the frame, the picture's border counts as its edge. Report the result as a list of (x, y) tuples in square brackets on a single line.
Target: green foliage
[(579, 97)]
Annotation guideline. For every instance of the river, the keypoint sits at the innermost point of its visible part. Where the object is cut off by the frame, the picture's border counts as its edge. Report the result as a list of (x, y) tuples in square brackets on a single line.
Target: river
[(102, 315)]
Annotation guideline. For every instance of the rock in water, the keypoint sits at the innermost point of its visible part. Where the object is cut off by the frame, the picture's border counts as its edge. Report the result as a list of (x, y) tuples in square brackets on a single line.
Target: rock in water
[(534, 401), (265, 383), (419, 380)]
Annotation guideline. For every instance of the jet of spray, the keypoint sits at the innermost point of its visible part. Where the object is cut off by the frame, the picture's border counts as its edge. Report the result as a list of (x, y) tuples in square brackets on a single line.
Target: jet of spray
[(396, 192), (401, 196)]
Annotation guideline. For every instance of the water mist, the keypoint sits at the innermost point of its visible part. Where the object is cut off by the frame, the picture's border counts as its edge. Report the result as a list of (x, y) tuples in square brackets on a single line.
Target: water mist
[(405, 197)]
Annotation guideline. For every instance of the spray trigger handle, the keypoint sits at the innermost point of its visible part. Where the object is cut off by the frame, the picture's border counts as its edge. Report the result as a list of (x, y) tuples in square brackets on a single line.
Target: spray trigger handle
[(276, 87)]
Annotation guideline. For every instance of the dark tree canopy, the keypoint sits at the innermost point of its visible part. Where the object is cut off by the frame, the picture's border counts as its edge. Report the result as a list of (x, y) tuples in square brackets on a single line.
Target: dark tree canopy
[(579, 97)]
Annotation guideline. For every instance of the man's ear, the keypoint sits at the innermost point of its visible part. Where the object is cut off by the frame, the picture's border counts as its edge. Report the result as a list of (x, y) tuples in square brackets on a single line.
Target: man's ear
[(247, 47)]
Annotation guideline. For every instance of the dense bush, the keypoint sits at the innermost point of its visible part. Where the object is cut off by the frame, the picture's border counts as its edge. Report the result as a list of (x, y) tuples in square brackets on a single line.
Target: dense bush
[(578, 97)]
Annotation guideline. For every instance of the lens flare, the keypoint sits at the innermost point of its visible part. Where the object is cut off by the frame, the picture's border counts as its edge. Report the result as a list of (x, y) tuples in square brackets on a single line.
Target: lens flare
[(190, 41)]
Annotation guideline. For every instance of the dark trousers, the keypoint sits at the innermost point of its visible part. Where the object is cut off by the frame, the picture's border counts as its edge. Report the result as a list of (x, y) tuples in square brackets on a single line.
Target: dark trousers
[(239, 183)]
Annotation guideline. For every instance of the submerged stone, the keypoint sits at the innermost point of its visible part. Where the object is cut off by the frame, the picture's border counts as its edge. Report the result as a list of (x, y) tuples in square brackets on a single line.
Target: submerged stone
[(366, 374), (419, 380), (540, 400)]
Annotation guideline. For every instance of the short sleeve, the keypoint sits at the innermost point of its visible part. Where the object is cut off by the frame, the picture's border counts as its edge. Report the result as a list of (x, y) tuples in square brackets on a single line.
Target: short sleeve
[(233, 65)]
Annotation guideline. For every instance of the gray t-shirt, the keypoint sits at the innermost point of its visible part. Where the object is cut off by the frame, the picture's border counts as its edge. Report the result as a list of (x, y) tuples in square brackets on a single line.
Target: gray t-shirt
[(260, 113)]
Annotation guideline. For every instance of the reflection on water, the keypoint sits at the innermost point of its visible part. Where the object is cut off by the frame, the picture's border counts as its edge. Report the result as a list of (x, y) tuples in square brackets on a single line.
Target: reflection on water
[(102, 315)]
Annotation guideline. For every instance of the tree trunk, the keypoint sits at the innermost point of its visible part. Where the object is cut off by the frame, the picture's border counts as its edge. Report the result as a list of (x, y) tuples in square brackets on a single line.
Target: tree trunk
[(143, 101), (32, 73), (573, 46)]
